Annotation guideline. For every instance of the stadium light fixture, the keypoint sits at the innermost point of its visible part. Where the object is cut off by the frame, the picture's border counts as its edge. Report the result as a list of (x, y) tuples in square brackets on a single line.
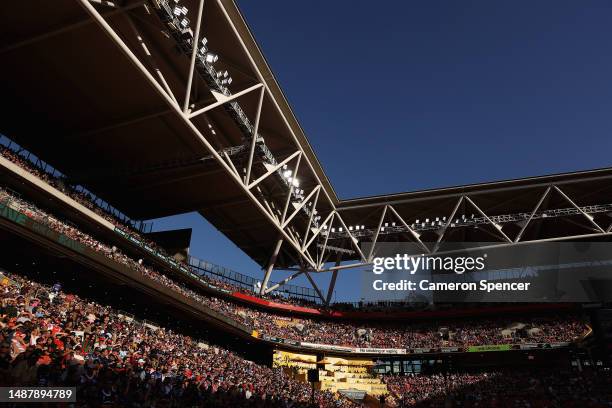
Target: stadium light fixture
[(211, 57)]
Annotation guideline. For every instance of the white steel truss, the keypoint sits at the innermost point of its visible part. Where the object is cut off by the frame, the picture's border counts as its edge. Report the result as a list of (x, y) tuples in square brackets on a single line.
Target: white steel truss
[(290, 236)]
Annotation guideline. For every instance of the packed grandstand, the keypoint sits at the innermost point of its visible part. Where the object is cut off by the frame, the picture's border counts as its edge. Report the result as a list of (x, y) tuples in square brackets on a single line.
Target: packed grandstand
[(50, 337), (91, 299)]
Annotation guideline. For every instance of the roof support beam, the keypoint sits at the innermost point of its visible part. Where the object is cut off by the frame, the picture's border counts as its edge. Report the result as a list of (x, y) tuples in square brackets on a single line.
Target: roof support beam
[(314, 286), (332, 282), (535, 210), (283, 282), (247, 178), (352, 238), (416, 236), (312, 211), (332, 201), (274, 169), (375, 240), (587, 216), (150, 58), (496, 226), (290, 193), (194, 54), (270, 267), (223, 101), (450, 221), (301, 205), (110, 32)]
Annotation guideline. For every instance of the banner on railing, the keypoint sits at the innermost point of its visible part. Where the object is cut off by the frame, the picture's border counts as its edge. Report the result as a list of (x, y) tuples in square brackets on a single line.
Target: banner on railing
[(492, 347)]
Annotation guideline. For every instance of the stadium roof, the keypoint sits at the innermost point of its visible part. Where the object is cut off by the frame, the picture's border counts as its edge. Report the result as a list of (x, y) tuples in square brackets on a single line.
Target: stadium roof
[(97, 89)]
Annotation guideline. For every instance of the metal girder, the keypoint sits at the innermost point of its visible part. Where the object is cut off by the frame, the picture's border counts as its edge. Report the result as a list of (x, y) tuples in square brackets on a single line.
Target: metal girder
[(301, 205), (262, 79), (194, 54), (415, 235), (580, 210), (535, 210), (314, 286), (375, 240), (229, 161), (273, 169), (448, 223), (150, 57), (318, 231), (290, 193), (247, 178), (332, 282), (496, 226), (110, 32), (224, 99), (352, 238), (312, 213), (283, 282), (270, 267)]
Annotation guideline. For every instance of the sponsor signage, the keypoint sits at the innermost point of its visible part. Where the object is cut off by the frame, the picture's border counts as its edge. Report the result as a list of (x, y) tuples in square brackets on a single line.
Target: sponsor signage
[(370, 350), (492, 347)]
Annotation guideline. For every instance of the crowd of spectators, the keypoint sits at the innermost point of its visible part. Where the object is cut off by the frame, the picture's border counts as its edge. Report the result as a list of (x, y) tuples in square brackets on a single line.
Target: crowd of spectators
[(89, 201), (52, 338), (503, 389), (455, 333), (460, 333)]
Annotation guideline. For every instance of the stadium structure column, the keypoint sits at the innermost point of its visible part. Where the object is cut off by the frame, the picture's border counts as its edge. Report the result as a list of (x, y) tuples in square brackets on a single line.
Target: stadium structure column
[(270, 267), (332, 282), (196, 42)]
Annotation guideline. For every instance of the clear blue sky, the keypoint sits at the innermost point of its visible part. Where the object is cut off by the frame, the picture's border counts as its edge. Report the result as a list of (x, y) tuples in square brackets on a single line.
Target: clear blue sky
[(405, 95)]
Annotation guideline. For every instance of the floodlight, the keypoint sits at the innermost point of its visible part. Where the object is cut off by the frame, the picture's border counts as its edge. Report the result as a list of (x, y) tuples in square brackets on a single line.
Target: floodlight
[(211, 57)]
